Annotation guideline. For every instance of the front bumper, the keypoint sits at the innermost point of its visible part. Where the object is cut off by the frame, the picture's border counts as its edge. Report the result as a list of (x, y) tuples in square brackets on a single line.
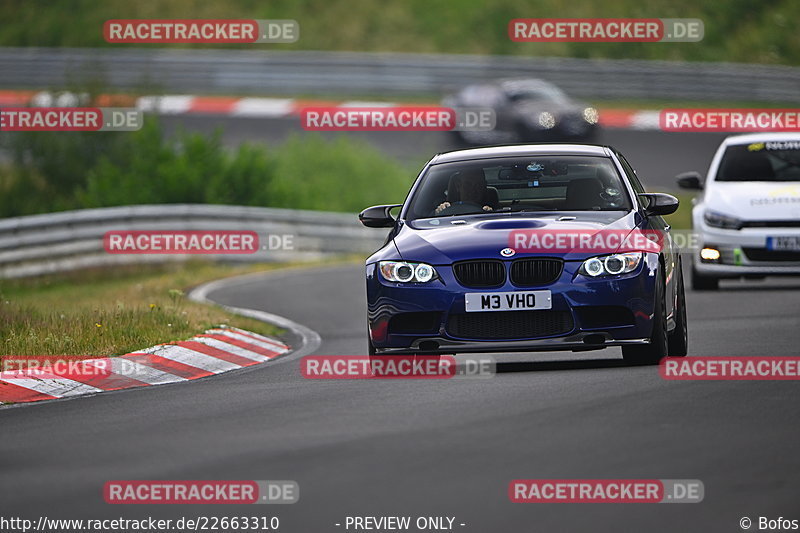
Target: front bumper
[(572, 294), (743, 253), (581, 341)]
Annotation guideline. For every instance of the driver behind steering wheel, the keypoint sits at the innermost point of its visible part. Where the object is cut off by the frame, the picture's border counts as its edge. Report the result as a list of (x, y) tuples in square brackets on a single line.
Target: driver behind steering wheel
[(467, 188)]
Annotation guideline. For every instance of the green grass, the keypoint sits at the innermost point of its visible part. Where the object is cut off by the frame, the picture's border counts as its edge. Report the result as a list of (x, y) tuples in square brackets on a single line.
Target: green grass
[(57, 171), (682, 218), (102, 312), (735, 30)]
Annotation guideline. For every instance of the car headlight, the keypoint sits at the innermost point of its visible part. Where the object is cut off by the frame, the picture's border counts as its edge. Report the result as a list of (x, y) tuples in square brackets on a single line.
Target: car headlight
[(405, 272), (547, 120), (718, 220), (611, 265), (591, 115)]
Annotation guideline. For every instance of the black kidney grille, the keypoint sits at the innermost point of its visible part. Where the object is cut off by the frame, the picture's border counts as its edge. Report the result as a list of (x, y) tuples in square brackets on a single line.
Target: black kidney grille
[(510, 324), (536, 271), (480, 273)]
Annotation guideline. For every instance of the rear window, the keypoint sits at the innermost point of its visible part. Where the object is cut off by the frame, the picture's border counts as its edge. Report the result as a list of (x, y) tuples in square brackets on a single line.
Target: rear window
[(763, 161), (546, 183)]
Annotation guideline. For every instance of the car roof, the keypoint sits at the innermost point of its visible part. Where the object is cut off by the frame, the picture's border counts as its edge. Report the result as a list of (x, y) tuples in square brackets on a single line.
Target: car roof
[(524, 83), (521, 150), (760, 137)]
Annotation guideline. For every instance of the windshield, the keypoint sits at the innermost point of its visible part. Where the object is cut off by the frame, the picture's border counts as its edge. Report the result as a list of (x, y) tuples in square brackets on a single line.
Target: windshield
[(551, 94), (764, 161), (530, 184)]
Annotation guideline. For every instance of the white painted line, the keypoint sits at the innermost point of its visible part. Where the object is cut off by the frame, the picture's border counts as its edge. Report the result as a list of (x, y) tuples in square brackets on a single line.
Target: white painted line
[(231, 348), (246, 338), (134, 370), (309, 340), (645, 120), (189, 357), (256, 335), (61, 99), (165, 105), (58, 387), (263, 107)]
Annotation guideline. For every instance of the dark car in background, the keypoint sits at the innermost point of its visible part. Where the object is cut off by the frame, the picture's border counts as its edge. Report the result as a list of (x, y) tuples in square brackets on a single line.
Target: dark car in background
[(527, 110)]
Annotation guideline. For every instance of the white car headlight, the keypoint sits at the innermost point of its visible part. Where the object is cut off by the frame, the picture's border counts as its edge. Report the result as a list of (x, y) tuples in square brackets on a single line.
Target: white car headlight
[(406, 272), (610, 265), (719, 220), (590, 115), (547, 120)]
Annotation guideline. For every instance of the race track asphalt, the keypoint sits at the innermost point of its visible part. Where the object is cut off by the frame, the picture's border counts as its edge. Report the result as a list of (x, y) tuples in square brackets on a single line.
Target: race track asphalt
[(440, 448)]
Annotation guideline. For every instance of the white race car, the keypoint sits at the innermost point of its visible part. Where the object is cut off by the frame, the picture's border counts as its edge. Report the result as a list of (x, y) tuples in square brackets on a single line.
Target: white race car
[(748, 217)]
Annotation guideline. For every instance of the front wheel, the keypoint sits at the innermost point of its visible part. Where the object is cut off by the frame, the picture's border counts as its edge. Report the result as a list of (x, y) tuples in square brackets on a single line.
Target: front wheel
[(370, 347), (678, 338), (651, 354)]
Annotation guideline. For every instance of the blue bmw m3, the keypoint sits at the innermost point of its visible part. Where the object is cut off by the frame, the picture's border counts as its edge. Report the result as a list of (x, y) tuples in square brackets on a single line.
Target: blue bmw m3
[(527, 248)]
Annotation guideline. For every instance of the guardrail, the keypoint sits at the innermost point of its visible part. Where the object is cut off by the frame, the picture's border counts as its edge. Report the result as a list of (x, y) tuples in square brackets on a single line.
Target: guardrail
[(266, 72), (56, 242)]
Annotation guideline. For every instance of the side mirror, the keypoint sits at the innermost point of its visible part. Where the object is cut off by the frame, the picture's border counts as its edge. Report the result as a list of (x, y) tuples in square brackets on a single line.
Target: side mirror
[(378, 216), (690, 180), (660, 204)]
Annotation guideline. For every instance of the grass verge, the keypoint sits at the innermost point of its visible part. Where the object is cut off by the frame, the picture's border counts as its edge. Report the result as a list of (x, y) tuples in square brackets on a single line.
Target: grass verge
[(682, 218), (102, 312), (735, 30)]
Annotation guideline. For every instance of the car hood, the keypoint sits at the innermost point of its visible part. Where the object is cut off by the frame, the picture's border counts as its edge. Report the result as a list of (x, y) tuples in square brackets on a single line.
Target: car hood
[(755, 200), (444, 240)]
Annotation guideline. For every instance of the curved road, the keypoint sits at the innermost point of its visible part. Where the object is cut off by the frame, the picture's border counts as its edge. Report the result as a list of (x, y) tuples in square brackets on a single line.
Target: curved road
[(433, 447)]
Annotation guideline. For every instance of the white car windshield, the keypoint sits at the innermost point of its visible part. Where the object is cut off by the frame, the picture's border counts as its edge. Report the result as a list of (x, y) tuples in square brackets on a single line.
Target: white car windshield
[(762, 161)]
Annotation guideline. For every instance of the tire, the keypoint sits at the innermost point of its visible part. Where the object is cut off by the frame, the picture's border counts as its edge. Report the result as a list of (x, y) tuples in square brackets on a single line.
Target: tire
[(370, 347), (651, 354), (703, 283), (678, 338)]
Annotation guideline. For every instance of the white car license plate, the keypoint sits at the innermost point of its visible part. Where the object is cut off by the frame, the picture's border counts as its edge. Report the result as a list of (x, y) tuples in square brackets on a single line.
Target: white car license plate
[(508, 301), (787, 244)]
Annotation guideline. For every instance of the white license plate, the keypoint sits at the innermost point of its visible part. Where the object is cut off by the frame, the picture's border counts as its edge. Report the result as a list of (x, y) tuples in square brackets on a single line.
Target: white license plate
[(508, 301), (787, 244)]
